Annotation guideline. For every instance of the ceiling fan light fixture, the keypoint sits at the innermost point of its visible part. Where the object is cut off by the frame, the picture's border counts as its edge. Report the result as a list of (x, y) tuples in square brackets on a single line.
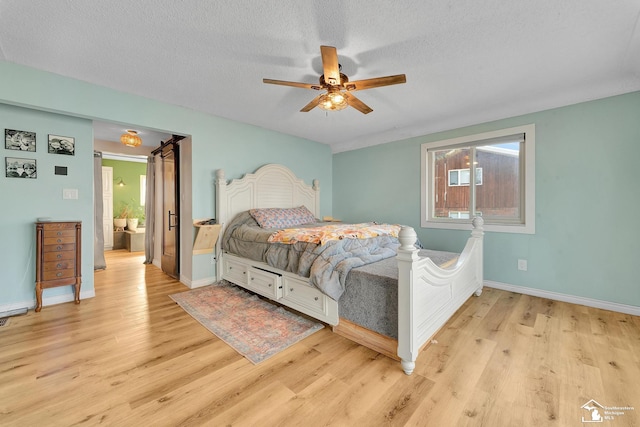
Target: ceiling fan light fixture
[(131, 138), (338, 86), (333, 101)]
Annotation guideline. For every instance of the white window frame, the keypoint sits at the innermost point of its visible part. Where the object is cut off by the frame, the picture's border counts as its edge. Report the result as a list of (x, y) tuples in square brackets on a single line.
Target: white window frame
[(460, 183), (143, 189), (529, 199)]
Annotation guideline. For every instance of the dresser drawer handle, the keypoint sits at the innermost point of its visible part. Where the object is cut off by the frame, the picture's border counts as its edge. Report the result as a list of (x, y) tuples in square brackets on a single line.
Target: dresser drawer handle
[(58, 274), (290, 289), (59, 265), (316, 298), (59, 255), (59, 233), (59, 247), (59, 240), (269, 284)]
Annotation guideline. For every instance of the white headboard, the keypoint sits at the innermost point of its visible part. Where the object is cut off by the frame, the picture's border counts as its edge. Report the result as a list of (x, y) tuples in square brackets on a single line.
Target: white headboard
[(271, 186)]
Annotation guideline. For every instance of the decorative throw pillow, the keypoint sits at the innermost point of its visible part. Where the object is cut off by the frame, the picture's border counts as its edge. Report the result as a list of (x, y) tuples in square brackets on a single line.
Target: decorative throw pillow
[(282, 217)]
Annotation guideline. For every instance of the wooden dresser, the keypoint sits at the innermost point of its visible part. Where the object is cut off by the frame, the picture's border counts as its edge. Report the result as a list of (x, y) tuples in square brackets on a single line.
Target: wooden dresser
[(58, 249)]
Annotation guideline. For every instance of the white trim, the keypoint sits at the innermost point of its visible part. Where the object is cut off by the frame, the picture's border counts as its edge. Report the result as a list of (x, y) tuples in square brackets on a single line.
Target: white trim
[(192, 284), (426, 184), (124, 157), (572, 299)]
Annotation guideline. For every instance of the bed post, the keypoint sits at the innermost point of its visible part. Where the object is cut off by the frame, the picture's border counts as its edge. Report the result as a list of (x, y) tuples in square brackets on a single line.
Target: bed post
[(221, 189), (407, 255), (316, 189), (478, 233)]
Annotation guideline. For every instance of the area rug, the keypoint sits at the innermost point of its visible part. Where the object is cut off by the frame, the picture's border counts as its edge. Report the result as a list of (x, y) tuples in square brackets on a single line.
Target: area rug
[(255, 328)]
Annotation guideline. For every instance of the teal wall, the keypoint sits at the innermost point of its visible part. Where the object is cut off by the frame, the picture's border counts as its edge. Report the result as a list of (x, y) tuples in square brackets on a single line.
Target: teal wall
[(26, 200), (129, 194), (216, 143), (586, 242)]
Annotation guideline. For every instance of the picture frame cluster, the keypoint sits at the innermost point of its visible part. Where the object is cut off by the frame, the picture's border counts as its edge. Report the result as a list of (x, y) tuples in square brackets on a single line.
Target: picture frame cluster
[(25, 141)]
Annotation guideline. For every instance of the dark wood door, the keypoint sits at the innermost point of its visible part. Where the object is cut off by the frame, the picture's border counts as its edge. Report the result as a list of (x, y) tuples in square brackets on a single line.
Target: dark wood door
[(170, 231)]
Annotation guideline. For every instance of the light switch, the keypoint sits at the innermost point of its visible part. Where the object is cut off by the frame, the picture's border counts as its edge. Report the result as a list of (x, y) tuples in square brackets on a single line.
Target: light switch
[(70, 193)]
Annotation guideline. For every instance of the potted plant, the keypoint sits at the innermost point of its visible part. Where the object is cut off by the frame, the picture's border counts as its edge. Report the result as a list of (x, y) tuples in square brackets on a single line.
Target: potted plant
[(129, 216), (120, 220)]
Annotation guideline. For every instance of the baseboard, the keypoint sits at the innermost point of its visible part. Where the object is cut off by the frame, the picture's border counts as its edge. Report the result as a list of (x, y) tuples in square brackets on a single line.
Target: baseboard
[(202, 282), (53, 300), (196, 283), (589, 302)]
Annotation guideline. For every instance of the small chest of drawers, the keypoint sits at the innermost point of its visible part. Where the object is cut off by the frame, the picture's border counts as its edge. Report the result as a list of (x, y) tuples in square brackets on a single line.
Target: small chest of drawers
[(58, 249)]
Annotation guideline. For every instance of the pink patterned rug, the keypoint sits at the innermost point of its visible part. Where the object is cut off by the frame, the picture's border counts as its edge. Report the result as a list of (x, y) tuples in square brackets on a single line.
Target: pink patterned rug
[(254, 327)]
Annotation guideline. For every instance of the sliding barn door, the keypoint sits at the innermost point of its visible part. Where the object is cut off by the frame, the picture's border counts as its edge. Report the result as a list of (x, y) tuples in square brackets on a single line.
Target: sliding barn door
[(171, 208)]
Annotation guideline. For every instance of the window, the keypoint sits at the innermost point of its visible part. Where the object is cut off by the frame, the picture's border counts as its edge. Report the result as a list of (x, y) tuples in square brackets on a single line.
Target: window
[(143, 189), (459, 177), (490, 175)]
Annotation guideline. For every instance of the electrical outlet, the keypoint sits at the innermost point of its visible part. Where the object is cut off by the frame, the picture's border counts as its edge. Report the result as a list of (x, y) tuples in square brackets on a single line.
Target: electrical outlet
[(522, 264)]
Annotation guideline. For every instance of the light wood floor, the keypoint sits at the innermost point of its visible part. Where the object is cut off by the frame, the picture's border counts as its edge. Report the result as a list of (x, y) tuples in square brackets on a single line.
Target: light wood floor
[(132, 357)]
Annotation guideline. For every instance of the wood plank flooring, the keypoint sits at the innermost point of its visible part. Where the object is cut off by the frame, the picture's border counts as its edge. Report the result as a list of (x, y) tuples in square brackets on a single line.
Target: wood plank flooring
[(132, 357)]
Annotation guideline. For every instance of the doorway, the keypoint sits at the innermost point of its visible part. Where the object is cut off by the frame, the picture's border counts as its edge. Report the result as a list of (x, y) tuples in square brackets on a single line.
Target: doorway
[(125, 185)]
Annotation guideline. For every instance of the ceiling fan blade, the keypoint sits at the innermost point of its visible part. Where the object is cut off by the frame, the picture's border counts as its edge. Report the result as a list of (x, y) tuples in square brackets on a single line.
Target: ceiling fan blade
[(330, 65), (310, 106), (357, 104), (293, 84), (375, 82)]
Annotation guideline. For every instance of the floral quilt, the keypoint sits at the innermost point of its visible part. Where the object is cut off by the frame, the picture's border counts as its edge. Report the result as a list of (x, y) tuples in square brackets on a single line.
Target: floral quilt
[(326, 233)]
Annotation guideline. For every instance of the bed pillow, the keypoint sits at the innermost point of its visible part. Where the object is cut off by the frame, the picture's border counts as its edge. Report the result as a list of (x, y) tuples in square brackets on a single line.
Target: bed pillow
[(282, 217)]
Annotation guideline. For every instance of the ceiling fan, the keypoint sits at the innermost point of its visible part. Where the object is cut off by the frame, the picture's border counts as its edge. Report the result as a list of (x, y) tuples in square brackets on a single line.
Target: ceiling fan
[(337, 85)]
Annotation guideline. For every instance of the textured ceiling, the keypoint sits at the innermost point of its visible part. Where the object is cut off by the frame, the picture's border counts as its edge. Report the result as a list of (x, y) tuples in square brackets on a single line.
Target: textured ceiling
[(466, 61)]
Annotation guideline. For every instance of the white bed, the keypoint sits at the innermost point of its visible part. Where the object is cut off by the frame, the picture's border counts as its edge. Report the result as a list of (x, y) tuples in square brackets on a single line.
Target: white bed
[(427, 294)]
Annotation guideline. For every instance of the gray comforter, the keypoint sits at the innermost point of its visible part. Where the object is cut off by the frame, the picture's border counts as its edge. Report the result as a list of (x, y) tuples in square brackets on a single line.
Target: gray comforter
[(326, 266)]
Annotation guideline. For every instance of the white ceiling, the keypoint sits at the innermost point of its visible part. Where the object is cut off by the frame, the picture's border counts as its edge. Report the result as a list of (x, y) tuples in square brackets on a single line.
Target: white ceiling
[(105, 131), (466, 61)]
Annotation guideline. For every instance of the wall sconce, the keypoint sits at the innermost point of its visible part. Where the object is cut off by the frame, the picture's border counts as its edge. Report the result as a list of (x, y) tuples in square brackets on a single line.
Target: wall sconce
[(120, 183)]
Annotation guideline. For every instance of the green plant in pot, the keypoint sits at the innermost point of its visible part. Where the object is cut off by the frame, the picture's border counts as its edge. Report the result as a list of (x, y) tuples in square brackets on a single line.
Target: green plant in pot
[(129, 215), (136, 217), (120, 220)]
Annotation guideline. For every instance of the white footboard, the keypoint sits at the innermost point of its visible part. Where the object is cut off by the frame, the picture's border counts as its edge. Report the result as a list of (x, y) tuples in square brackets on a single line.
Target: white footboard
[(428, 295)]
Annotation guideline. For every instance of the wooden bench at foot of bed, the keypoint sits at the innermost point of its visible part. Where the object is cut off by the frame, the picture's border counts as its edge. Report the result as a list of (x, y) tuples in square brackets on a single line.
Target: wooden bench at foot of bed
[(377, 342)]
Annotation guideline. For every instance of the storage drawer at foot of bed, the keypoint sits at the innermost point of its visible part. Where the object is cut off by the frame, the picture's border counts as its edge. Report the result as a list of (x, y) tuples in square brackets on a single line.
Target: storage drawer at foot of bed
[(265, 283), (304, 295), (235, 272)]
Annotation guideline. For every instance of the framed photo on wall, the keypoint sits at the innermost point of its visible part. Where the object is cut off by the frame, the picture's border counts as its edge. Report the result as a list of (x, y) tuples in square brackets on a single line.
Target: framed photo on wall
[(62, 145), (20, 168), (19, 140)]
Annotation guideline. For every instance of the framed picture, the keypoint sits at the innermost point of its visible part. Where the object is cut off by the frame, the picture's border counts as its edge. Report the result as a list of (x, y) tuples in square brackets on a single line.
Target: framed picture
[(20, 168), (62, 145), (19, 140)]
